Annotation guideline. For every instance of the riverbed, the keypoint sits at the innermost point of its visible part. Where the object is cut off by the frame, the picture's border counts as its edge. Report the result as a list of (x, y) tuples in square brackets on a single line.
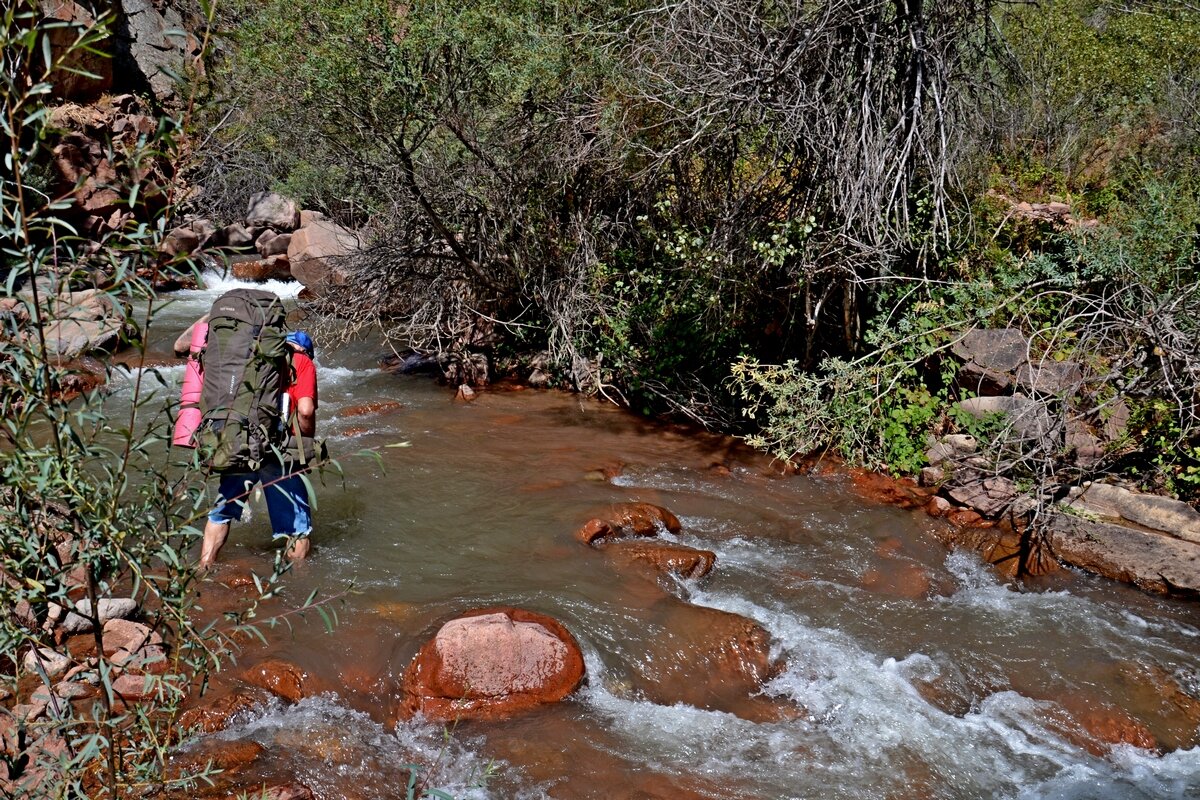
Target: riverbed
[(911, 671)]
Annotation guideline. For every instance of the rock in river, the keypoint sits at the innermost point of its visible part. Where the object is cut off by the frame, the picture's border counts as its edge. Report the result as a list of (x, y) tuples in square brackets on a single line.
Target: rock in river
[(492, 662)]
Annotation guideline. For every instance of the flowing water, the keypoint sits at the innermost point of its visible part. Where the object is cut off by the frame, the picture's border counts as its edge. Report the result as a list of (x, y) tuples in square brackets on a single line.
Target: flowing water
[(911, 671)]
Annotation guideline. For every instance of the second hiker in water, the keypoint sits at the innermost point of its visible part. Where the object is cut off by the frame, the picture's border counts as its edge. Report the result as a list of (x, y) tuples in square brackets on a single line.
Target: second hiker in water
[(259, 402)]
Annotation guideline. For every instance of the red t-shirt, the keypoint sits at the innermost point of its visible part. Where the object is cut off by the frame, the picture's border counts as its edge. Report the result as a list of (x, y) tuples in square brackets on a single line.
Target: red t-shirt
[(305, 381)]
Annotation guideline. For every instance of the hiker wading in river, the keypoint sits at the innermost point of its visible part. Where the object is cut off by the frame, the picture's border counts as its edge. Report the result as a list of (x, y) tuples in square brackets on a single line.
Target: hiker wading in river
[(277, 464)]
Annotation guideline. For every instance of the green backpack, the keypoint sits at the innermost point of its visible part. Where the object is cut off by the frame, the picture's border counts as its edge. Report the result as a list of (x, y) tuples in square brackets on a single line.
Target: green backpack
[(246, 366)]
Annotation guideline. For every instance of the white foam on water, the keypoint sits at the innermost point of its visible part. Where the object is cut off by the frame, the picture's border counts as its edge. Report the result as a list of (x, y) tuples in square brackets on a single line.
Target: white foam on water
[(216, 284), (341, 376), (863, 716), (980, 590), (331, 746), (1128, 774)]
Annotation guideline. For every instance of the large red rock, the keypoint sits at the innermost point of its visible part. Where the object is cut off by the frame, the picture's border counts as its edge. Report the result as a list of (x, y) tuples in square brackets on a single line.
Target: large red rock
[(315, 249), (490, 663)]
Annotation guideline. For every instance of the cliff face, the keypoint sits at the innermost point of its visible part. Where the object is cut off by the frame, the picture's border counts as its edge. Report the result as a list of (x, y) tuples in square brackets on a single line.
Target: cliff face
[(151, 42)]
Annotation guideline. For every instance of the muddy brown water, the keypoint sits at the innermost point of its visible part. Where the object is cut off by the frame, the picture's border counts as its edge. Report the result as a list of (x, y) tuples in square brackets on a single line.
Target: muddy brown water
[(912, 671)]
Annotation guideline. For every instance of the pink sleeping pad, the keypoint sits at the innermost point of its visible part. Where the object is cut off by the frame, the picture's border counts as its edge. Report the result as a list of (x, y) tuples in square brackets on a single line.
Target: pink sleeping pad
[(189, 399)]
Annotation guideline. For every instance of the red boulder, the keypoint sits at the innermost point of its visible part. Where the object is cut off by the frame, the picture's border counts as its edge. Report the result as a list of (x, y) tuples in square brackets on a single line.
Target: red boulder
[(492, 662)]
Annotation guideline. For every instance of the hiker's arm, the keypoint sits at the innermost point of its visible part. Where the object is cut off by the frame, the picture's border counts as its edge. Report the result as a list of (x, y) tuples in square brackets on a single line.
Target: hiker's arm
[(306, 416)]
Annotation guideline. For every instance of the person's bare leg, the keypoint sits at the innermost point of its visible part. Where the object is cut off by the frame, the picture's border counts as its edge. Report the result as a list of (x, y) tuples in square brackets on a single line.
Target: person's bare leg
[(298, 551), (215, 534)]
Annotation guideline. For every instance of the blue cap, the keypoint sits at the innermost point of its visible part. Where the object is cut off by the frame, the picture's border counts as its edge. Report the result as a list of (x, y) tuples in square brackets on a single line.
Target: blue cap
[(303, 341)]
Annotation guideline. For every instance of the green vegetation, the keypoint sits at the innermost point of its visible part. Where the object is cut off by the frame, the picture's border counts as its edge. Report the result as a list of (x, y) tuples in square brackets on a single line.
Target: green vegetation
[(663, 191), (93, 503)]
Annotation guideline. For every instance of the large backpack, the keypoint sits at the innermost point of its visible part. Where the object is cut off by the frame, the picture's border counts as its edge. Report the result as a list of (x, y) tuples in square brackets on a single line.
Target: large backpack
[(246, 369)]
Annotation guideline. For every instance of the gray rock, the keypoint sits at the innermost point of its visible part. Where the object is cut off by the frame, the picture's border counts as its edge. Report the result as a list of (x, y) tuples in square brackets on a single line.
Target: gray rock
[(1029, 419), (152, 46), (950, 447), (1148, 510), (1084, 447), (932, 476), (991, 357), (270, 210), (1116, 420), (110, 608), (1056, 378), (271, 243), (1151, 561), (988, 496), (183, 345), (53, 662)]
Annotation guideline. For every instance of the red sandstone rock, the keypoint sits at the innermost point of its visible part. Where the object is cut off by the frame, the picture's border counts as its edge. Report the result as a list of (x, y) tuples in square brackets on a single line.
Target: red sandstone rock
[(706, 658), (964, 517), (227, 756), (666, 559), (593, 530), (293, 792), (905, 580), (881, 488), (492, 662), (642, 519), (134, 687), (123, 634), (1097, 726), (282, 678), (214, 715), (371, 407), (938, 506), (273, 268)]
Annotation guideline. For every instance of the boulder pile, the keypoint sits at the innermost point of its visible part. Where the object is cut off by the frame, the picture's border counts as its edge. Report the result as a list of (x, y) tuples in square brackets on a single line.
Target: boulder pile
[(1029, 405)]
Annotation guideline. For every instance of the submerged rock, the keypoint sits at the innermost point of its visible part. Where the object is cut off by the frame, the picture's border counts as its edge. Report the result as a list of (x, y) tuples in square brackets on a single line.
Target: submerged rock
[(282, 679), (707, 658), (223, 754), (214, 714), (490, 663), (664, 558)]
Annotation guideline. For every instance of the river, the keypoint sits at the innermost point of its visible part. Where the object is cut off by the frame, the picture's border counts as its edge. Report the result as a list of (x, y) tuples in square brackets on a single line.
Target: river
[(962, 687)]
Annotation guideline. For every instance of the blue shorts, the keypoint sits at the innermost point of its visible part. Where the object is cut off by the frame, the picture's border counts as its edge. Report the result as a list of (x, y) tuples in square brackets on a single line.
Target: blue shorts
[(287, 499)]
